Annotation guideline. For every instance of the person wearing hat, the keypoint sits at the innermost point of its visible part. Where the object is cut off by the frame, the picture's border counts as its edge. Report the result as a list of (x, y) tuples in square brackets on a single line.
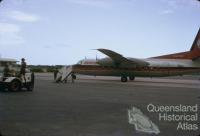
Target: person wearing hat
[(23, 68), (6, 71)]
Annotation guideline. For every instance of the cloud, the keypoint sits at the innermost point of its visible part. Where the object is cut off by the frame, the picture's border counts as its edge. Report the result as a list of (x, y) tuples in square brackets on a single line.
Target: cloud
[(167, 11), (57, 45), (22, 16), (172, 5), (93, 3), (10, 34), (9, 28), (100, 3)]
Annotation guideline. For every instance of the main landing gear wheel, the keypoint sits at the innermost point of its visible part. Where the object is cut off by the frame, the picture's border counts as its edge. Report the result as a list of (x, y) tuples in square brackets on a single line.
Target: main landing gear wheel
[(131, 78), (123, 79), (14, 86)]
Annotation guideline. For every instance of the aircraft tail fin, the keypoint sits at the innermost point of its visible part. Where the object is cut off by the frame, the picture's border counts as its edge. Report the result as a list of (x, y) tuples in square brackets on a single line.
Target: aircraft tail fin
[(196, 43), (193, 54), (195, 49)]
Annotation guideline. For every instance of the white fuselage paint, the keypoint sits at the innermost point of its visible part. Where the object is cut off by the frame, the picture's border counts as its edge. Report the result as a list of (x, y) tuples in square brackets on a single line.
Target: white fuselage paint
[(155, 62), (173, 63)]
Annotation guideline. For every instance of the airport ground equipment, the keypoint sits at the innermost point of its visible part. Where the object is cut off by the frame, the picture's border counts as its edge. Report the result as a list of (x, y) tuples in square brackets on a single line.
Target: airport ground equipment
[(16, 83), (64, 73)]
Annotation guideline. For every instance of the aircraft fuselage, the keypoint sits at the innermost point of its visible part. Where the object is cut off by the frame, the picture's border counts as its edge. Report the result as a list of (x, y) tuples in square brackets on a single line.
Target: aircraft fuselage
[(156, 68)]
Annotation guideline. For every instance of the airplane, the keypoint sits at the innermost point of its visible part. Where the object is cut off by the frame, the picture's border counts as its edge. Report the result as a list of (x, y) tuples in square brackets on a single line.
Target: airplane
[(115, 64)]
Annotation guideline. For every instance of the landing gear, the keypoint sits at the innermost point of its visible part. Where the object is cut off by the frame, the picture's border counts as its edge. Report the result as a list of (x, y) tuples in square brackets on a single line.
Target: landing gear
[(123, 79), (131, 78)]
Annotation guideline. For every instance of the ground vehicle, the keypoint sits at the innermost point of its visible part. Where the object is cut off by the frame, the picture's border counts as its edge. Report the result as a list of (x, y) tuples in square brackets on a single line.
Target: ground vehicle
[(15, 82)]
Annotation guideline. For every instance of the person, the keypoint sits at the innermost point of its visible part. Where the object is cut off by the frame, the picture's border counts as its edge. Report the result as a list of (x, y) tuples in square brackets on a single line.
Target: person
[(73, 77), (23, 68), (6, 71), (55, 73)]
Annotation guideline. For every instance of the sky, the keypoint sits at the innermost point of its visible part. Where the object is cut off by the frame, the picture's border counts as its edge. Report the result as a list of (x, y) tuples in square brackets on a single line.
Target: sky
[(62, 32)]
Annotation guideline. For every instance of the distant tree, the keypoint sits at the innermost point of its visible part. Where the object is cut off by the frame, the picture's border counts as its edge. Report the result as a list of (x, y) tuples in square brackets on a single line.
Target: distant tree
[(44, 68), (50, 69), (37, 69)]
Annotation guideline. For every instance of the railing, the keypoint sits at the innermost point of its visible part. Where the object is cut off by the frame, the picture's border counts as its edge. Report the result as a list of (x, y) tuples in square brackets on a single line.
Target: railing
[(64, 73)]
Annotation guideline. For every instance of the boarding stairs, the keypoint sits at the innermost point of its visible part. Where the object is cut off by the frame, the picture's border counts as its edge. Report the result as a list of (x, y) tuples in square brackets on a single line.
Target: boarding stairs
[(64, 73)]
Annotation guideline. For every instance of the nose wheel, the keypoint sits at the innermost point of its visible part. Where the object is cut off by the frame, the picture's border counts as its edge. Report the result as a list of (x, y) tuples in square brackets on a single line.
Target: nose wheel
[(124, 79)]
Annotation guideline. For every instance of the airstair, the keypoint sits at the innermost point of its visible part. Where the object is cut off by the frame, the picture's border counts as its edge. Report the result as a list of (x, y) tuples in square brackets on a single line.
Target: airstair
[(64, 73)]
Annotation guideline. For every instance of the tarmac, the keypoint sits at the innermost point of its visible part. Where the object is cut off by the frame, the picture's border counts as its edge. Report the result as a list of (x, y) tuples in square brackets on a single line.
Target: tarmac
[(97, 106)]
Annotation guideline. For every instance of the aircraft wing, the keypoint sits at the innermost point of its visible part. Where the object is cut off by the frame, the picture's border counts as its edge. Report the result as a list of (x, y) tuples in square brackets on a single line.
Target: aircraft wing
[(119, 60)]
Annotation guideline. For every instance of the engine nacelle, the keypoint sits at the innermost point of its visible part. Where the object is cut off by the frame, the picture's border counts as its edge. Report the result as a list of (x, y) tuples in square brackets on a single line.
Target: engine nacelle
[(106, 62)]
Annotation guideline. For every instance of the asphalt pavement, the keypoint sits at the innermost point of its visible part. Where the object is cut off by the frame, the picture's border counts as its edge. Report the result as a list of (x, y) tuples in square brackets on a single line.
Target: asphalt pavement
[(95, 106)]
